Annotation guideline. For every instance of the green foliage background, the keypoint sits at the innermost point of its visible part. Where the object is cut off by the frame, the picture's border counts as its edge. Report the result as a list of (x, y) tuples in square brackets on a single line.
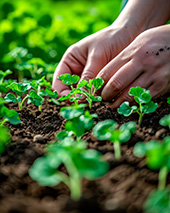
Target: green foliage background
[(47, 28)]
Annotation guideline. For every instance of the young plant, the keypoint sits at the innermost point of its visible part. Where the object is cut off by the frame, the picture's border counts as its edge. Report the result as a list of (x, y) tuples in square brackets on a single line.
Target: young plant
[(158, 201), (165, 121), (19, 89), (3, 74), (157, 157), (89, 90), (143, 99), (107, 130), (7, 114), (78, 121), (78, 161)]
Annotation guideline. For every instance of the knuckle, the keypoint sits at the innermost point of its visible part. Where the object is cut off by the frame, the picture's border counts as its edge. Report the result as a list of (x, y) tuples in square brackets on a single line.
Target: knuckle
[(116, 85)]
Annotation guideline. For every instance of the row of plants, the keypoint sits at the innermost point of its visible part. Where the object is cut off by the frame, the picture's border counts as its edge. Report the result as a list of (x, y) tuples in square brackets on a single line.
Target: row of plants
[(70, 150)]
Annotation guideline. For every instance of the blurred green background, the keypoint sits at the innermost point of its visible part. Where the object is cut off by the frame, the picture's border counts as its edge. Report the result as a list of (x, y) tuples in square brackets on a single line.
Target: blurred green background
[(47, 28)]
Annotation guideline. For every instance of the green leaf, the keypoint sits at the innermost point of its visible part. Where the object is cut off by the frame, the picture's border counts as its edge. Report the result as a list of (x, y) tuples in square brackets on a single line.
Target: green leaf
[(168, 100), (72, 111), (2, 101), (10, 97), (76, 126), (96, 98), (82, 83), (139, 150), (96, 83), (35, 98), (158, 201), (69, 79), (141, 95), (64, 97), (130, 126), (3, 74), (125, 109), (19, 88), (52, 94), (4, 138), (165, 121), (90, 164), (44, 173), (87, 120), (149, 107), (103, 130), (63, 134), (11, 115)]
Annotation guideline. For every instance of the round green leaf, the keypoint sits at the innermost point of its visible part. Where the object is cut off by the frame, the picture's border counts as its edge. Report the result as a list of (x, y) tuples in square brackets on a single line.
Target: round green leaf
[(125, 109)]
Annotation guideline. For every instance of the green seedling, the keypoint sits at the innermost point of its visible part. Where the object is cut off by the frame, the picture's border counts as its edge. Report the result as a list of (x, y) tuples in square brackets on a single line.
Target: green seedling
[(158, 201), (4, 138), (107, 130), (78, 121), (143, 98), (78, 161), (19, 89), (89, 90), (52, 94), (8, 115), (37, 86), (3, 74), (165, 121), (157, 157)]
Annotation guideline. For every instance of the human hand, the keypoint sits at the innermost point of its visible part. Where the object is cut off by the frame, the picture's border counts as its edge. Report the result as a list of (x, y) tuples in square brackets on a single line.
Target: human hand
[(87, 57), (145, 63)]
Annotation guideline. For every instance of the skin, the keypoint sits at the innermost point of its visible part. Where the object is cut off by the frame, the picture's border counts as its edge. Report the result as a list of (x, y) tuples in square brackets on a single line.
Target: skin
[(124, 54)]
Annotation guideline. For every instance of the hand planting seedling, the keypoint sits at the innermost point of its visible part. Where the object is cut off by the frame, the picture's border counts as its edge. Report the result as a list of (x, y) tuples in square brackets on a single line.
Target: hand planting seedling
[(4, 138), (78, 161), (157, 157), (107, 130), (143, 98), (92, 86), (158, 201), (165, 121), (78, 121), (7, 114)]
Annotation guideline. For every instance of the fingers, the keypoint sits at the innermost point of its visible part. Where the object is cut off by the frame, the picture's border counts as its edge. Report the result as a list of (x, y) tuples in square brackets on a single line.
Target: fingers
[(71, 63), (143, 81), (121, 79), (95, 62)]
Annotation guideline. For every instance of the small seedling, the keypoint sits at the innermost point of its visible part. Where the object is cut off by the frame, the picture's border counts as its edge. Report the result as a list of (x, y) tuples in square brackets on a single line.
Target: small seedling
[(89, 90), (165, 121), (107, 130), (158, 201), (157, 157), (143, 98), (3, 74), (78, 161), (78, 121), (8, 115)]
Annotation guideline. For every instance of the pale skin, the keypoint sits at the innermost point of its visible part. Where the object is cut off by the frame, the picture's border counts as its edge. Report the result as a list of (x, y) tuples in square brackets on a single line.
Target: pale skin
[(133, 51)]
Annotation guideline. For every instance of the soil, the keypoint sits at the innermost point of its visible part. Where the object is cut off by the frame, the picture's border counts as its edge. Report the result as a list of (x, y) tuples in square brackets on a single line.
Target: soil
[(123, 189)]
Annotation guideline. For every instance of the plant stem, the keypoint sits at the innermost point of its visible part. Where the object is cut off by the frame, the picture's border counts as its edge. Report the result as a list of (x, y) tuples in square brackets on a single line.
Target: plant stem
[(162, 177), (117, 150), (3, 121), (21, 103)]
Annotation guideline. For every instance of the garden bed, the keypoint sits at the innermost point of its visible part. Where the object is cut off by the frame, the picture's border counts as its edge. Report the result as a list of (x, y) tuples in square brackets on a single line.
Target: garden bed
[(123, 189)]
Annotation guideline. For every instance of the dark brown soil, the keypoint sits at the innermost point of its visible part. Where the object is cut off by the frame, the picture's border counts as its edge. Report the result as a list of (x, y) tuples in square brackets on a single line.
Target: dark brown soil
[(123, 189)]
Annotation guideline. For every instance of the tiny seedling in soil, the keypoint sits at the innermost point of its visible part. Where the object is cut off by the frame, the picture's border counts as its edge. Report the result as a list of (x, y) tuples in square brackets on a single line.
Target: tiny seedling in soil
[(78, 160), (158, 201), (8, 115), (157, 157), (107, 130), (78, 121), (143, 98), (76, 93)]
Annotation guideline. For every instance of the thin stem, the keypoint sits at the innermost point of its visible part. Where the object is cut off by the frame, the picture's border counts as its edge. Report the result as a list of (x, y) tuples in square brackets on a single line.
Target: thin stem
[(21, 103), (162, 177), (3, 121), (117, 150), (39, 108)]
